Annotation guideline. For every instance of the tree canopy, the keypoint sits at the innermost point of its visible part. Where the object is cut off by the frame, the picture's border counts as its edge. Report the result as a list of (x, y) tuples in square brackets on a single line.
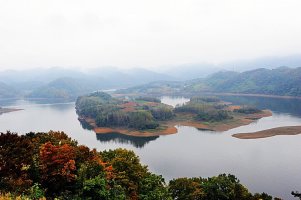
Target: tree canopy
[(140, 113), (52, 165)]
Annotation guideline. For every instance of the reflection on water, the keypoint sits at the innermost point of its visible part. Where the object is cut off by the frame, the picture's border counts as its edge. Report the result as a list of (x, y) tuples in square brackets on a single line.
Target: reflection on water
[(118, 138), (137, 142), (85, 125), (269, 165), (278, 105)]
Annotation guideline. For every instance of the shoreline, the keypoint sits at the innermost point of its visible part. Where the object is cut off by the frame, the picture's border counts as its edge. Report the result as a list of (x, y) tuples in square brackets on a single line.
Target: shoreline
[(143, 133), (169, 127), (188, 94), (237, 121), (7, 110), (253, 95), (285, 130)]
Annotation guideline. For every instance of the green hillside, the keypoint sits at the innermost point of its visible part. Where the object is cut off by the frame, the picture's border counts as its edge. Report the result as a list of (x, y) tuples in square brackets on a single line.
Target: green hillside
[(281, 81)]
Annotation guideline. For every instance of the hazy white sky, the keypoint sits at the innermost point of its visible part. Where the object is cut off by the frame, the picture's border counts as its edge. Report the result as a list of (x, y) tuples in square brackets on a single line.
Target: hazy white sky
[(145, 33)]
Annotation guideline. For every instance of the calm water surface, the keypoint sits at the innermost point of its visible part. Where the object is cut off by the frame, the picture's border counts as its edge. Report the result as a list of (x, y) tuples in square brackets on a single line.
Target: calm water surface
[(269, 165)]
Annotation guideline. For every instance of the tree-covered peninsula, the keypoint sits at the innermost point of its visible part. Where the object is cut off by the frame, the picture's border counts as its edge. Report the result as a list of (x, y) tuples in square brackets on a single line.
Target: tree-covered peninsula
[(147, 116), (143, 113)]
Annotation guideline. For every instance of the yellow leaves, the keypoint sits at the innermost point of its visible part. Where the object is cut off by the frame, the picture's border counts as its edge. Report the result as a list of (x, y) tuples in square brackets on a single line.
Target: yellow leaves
[(25, 167)]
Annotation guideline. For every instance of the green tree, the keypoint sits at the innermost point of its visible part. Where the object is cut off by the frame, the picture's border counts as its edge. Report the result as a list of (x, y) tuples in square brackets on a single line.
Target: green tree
[(142, 119), (127, 169), (152, 187), (224, 187), (262, 196), (186, 189), (36, 192), (95, 188)]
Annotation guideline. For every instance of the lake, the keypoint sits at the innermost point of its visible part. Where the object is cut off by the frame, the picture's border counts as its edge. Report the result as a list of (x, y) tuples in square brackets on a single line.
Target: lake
[(271, 165)]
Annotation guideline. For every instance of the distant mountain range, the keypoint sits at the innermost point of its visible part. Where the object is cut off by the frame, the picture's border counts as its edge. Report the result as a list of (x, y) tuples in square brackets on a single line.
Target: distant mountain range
[(68, 83), (202, 70)]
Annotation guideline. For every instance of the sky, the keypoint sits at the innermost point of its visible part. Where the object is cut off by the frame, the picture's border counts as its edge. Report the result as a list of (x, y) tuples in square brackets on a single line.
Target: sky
[(145, 33)]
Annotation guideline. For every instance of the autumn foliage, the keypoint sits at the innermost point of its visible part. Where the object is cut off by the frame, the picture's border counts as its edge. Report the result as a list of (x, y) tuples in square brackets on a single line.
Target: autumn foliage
[(57, 165), (52, 165)]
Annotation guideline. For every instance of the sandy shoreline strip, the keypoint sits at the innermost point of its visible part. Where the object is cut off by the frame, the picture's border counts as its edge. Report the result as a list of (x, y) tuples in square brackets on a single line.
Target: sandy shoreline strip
[(7, 110), (286, 130)]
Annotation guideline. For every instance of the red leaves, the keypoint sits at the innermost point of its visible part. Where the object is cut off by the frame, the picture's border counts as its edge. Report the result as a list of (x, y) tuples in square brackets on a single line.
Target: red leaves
[(67, 170), (15, 159), (57, 162)]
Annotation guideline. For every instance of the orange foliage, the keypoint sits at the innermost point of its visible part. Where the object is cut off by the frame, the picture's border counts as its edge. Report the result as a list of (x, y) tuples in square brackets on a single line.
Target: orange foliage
[(57, 162), (84, 154), (67, 170)]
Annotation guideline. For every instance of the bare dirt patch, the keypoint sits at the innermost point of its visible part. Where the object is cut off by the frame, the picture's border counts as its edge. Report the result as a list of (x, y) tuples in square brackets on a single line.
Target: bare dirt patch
[(232, 107)]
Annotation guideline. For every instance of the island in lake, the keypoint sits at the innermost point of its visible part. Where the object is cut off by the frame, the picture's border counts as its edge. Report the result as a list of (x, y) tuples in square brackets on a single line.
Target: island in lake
[(147, 116)]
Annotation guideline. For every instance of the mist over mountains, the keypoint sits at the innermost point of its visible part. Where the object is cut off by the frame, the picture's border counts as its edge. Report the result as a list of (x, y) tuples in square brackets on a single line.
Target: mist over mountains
[(68, 83), (202, 70)]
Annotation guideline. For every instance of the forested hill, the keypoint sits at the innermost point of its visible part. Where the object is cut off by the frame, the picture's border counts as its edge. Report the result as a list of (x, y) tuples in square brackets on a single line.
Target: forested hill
[(282, 81), (65, 88)]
